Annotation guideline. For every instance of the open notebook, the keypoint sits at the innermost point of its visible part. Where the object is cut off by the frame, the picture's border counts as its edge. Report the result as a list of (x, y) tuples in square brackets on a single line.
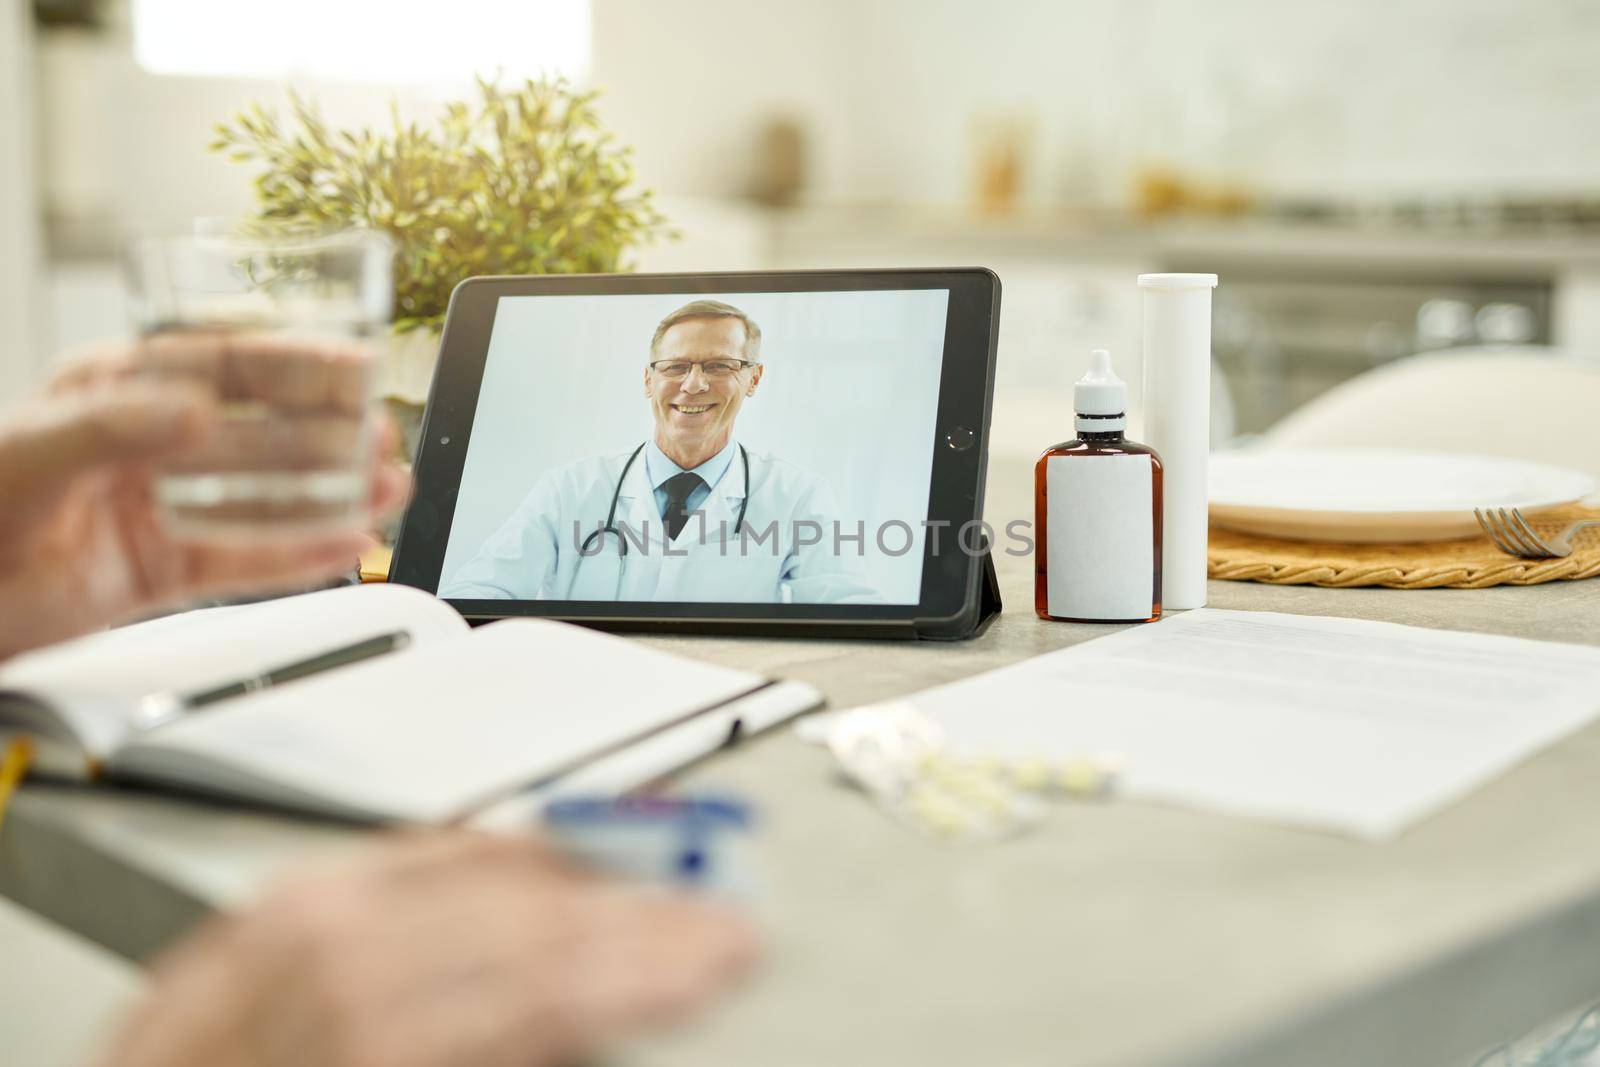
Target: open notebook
[(452, 722)]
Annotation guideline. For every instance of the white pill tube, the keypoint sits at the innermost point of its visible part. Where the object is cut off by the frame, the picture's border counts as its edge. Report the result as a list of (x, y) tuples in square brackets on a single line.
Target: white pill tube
[(1177, 423)]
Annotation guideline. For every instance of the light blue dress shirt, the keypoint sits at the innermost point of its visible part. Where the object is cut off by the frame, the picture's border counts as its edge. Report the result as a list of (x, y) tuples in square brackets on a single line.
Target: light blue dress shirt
[(658, 468)]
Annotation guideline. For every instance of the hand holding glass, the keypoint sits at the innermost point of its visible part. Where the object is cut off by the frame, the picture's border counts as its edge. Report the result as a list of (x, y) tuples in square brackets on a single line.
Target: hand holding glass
[(289, 372)]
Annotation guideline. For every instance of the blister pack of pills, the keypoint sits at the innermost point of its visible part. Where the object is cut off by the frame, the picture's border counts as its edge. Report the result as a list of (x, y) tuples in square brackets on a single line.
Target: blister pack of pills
[(900, 758)]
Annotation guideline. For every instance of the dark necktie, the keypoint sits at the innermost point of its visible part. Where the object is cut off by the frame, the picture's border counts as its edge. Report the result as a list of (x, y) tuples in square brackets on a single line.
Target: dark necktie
[(678, 488)]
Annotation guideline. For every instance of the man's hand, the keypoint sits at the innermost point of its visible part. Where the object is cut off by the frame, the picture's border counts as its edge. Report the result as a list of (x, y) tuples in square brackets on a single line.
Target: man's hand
[(80, 543), (441, 951)]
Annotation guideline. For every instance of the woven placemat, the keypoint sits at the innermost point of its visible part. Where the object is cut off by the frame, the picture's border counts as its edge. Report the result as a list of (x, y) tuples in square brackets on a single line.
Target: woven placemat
[(1468, 564)]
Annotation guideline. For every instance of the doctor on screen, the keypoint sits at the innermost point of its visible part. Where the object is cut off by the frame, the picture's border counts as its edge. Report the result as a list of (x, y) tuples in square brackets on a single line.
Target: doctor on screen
[(688, 514)]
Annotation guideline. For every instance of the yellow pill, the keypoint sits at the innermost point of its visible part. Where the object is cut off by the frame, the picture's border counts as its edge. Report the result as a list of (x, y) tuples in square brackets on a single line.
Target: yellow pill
[(995, 805), (1032, 774), (947, 822), (1083, 778), (931, 804), (991, 788)]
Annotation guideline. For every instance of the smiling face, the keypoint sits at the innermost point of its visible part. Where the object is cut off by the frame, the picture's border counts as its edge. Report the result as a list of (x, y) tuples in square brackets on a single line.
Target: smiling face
[(694, 414)]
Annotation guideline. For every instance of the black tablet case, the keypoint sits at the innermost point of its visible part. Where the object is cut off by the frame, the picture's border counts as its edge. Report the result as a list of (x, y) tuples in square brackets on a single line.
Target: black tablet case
[(988, 604), (979, 613), (969, 624)]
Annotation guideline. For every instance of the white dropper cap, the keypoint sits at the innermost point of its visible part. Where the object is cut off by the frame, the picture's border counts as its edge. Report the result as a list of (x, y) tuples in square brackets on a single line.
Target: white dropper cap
[(1101, 395)]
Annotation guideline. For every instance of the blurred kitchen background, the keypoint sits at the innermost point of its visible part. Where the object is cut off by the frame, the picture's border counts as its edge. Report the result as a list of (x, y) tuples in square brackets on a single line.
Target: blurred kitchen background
[(1370, 179)]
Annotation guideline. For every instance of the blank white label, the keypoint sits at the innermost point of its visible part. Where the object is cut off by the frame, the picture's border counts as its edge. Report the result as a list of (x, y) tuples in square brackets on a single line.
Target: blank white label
[(1101, 551)]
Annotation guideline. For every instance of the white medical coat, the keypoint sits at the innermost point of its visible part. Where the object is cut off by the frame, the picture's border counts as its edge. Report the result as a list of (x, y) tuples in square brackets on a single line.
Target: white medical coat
[(535, 554)]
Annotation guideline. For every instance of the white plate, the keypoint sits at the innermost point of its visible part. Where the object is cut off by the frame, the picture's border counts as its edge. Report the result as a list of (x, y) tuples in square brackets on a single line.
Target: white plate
[(1373, 495)]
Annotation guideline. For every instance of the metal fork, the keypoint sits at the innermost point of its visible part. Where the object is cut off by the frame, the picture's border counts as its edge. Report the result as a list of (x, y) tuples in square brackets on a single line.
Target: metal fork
[(1511, 533)]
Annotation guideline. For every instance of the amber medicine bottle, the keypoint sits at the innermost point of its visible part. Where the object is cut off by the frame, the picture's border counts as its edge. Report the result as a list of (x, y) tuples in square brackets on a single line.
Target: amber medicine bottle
[(1097, 513)]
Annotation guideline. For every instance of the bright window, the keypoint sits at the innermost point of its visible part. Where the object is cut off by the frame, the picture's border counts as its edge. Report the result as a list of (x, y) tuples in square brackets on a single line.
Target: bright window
[(422, 41)]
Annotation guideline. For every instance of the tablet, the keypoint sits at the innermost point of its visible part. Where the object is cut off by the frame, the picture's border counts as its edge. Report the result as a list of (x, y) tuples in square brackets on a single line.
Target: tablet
[(798, 452)]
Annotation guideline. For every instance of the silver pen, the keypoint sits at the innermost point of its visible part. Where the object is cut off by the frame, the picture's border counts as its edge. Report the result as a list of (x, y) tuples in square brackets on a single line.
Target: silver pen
[(157, 709)]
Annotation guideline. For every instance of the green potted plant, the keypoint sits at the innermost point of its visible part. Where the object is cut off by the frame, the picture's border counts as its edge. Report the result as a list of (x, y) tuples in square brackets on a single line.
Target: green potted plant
[(523, 180)]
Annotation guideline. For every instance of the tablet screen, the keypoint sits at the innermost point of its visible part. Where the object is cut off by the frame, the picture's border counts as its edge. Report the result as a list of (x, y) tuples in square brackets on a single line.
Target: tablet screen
[(744, 447)]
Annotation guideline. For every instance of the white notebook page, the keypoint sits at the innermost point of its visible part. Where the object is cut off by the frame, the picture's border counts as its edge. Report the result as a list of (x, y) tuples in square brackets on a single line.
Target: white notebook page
[(95, 682), (1361, 727), (425, 734)]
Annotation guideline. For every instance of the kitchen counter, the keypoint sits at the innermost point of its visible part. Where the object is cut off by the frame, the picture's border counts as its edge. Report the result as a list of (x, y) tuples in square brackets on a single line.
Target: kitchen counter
[(1480, 253)]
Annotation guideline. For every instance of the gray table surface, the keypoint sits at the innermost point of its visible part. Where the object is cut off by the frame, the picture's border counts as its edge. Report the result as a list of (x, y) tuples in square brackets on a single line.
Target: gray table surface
[(1119, 933)]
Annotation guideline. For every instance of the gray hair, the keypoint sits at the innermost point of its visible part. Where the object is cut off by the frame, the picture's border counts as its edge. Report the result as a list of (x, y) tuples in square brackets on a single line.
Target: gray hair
[(712, 309)]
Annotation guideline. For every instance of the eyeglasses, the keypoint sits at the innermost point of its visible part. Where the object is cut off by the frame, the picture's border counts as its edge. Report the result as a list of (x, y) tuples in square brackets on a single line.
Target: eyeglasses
[(673, 369)]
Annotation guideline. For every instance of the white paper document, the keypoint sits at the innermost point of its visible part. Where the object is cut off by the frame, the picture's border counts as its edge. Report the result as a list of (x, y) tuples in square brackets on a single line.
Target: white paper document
[(1359, 727)]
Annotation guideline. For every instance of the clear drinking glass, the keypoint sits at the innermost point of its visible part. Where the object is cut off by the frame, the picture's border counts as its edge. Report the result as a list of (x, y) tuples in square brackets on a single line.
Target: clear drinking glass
[(275, 328)]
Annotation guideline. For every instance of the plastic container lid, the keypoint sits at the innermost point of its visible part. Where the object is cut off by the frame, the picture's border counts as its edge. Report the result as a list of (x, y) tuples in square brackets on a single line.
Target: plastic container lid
[(1177, 281), (1100, 391), (696, 811)]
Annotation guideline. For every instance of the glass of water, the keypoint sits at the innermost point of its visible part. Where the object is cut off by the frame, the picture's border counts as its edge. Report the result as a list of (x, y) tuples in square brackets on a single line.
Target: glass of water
[(276, 329)]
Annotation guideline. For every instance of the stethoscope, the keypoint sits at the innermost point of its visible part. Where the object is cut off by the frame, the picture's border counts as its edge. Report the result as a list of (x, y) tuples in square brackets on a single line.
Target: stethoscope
[(610, 526)]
